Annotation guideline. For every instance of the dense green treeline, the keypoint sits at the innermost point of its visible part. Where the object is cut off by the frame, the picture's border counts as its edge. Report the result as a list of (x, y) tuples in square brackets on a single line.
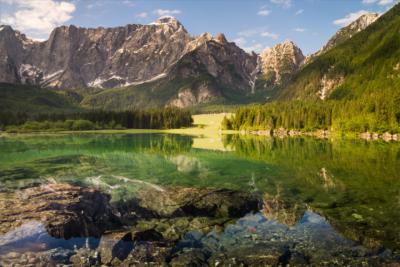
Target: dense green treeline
[(375, 112), (97, 119)]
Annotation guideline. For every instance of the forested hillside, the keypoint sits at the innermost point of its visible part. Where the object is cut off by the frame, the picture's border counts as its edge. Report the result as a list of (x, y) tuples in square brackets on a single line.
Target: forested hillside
[(378, 113), (32, 99), (352, 87), (366, 64)]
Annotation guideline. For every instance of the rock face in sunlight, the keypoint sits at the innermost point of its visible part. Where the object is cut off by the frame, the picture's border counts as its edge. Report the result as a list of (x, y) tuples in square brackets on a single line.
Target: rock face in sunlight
[(132, 55), (280, 63), (97, 57)]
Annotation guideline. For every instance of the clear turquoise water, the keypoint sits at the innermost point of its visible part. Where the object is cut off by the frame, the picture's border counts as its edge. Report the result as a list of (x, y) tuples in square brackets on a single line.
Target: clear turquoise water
[(350, 186)]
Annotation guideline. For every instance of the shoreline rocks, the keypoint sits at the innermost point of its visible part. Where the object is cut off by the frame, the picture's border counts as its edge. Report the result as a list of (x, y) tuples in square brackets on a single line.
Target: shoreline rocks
[(323, 134), (375, 136), (281, 132), (65, 210)]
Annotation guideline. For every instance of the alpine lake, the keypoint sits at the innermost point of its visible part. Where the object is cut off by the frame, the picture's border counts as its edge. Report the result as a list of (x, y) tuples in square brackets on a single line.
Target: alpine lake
[(159, 199)]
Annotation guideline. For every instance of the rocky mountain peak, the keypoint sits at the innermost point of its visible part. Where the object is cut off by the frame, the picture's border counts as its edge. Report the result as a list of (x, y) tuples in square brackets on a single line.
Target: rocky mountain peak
[(205, 36), (5, 29), (147, 55), (198, 41), (363, 21), (287, 42), (279, 62), (285, 48), (169, 21), (346, 33), (220, 38)]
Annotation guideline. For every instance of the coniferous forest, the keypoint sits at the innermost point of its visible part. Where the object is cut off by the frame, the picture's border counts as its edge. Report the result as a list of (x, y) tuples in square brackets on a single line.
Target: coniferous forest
[(377, 112), (97, 119)]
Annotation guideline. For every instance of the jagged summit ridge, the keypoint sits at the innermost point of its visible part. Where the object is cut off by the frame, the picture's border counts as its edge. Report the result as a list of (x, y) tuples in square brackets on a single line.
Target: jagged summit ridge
[(101, 57), (168, 21), (157, 53), (346, 33), (280, 62)]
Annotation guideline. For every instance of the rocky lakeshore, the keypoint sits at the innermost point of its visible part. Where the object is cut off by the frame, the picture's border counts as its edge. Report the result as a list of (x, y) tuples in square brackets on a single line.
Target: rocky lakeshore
[(375, 136), (281, 132), (325, 134), (68, 225)]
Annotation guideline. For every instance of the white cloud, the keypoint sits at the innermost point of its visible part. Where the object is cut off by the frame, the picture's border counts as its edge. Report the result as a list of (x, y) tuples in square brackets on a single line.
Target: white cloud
[(167, 12), (242, 42), (385, 2), (37, 17), (254, 47), (248, 33), (141, 15), (283, 3), (299, 29), (379, 2), (298, 12), (94, 5), (259, 32), (270, 35), (129, 3), (349, 18), (263, 12)]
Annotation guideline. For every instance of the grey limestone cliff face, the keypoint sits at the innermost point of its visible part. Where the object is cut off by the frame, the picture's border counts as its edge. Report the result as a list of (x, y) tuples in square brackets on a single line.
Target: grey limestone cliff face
[(123, 56), (218, 66), (280, 62), (12, 45), (100, 57)]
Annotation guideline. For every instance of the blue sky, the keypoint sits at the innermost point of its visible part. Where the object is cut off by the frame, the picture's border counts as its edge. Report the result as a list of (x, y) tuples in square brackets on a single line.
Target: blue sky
[(252, 24)]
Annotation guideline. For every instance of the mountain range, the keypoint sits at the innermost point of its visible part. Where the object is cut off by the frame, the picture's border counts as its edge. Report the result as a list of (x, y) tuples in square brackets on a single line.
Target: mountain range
[(161, 64)]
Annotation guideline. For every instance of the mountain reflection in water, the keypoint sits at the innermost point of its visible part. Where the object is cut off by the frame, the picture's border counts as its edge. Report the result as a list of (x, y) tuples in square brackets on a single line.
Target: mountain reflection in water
[(318, 199)]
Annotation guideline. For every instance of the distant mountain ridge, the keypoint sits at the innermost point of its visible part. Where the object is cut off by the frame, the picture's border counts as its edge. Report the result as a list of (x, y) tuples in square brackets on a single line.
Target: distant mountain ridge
[(161, 64), (133, 55), (99, 57)]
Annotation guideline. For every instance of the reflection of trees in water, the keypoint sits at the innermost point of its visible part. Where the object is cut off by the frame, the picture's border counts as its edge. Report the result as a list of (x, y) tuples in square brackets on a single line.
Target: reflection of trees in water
[(172, 144), (353, 183), (163, 143)]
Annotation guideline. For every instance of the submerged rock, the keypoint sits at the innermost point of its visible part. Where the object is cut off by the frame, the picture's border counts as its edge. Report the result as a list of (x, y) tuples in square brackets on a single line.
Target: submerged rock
[(65, 210), (115, 246), (170, 226), (85, 257), (276, 208), (179, 201)]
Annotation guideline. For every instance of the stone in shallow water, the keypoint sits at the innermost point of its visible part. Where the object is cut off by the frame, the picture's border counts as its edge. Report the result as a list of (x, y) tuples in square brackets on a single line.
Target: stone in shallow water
[(190, 257), (85, 257), (115, 245), (180, 201), (65, 210), (45, 258)]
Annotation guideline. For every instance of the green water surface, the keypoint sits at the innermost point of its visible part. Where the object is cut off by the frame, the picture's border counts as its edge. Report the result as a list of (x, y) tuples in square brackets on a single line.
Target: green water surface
[(354, 184)]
